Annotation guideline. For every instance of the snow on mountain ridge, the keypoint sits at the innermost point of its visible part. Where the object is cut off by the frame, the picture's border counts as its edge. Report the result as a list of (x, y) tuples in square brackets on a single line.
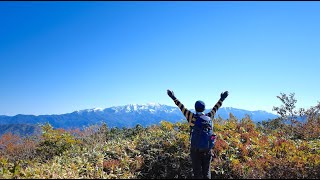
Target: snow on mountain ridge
[(90, 110), (129, 116), (153, 107)]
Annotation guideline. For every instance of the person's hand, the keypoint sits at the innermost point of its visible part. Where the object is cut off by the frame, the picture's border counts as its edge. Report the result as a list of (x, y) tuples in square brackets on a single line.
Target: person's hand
[(171, 94), (224, 95)]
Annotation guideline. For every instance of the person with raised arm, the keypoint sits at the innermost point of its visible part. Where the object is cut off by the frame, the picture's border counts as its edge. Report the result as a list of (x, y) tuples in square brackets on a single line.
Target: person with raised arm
[(201, 134)]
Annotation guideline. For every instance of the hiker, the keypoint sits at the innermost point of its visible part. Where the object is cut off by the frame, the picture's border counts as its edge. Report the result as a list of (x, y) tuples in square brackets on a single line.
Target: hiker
[(200, 123)]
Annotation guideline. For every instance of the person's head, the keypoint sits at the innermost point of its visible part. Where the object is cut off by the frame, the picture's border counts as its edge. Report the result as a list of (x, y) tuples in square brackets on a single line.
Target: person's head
[(199, 106)]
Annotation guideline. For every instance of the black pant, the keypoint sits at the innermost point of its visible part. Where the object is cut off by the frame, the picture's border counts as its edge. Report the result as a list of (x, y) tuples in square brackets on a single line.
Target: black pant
[(201, 162)]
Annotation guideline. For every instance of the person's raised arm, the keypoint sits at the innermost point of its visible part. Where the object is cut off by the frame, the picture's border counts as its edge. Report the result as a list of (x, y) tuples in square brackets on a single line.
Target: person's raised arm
[(188, 114), (223, 96)]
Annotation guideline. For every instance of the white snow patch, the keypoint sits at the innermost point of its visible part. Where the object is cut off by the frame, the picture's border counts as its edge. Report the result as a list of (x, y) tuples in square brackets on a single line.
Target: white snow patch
[(97, 109), (135, 107), (128, 109)]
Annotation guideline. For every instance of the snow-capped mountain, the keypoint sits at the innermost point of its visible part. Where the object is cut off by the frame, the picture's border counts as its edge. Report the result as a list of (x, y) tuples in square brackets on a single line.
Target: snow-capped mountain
[(126, 116), (142, 108)]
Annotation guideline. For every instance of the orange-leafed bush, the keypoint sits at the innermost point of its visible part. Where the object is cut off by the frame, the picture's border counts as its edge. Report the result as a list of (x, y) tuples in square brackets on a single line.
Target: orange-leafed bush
[(242, 148)]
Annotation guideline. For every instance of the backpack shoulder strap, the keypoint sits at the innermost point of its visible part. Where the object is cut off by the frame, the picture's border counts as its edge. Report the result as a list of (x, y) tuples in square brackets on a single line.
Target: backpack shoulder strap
[(211, 118), (196, 116)]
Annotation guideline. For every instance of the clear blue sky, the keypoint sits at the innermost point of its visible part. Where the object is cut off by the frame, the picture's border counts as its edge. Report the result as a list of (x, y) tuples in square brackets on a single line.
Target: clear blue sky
[(58, 57)]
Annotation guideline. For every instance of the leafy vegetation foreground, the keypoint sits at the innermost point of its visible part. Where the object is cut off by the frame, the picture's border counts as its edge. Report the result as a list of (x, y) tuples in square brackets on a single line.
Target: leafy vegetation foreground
[(271, 149), (243, 150)]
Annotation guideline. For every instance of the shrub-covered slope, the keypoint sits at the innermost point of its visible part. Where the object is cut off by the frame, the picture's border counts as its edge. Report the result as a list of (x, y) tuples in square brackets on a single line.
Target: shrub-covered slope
[(243, 150)]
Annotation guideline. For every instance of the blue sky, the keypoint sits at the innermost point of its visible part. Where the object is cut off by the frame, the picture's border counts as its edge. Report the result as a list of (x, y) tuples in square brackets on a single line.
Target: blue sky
[(58, 57)]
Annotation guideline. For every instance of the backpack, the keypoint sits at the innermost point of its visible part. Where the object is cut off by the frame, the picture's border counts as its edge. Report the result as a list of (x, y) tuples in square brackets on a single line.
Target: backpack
[(201, 134)]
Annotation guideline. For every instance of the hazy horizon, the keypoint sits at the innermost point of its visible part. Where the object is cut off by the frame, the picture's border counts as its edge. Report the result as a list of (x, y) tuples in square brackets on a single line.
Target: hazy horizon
[(148, 103)]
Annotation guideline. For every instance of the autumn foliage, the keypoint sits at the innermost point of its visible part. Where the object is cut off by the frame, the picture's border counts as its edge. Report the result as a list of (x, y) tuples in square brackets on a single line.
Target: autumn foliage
[(243, 150)]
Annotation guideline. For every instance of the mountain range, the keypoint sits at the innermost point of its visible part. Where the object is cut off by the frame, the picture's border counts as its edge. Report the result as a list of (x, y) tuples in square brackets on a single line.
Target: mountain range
[(124, 116)]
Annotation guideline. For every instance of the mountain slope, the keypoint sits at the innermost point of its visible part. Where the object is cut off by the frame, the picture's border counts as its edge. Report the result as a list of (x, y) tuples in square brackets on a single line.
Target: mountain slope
[(125, 116), (19, 129)]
